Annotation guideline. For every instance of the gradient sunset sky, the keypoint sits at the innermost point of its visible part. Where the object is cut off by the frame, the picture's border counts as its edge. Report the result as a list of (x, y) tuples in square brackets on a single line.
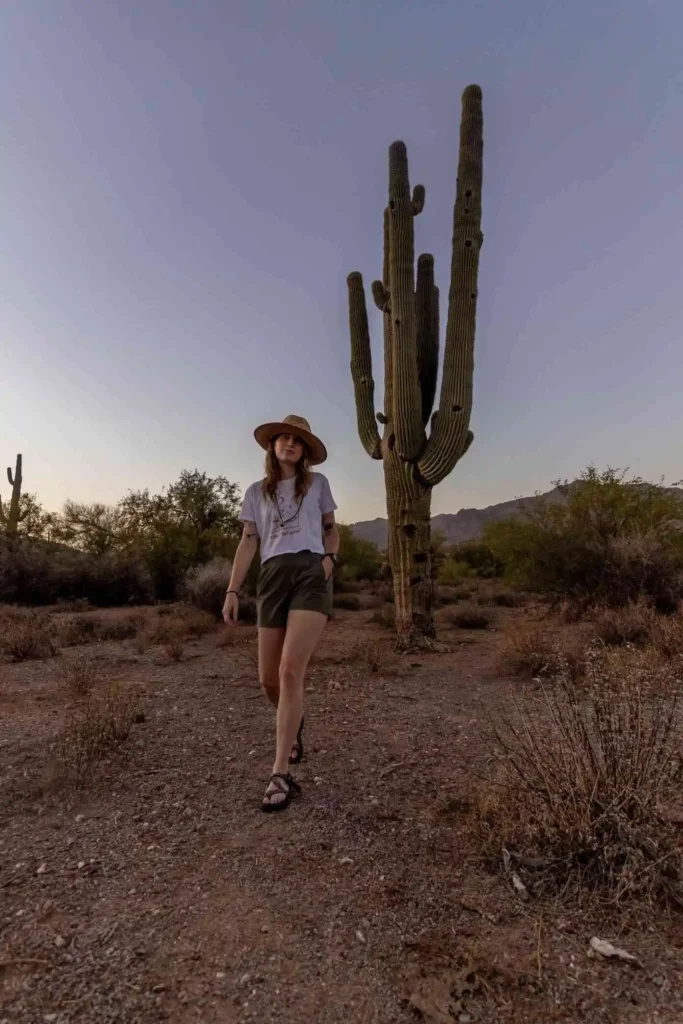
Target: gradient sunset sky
[(186, 185)]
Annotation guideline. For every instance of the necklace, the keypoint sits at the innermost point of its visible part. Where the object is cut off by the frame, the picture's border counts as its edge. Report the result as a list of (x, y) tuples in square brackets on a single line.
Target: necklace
[(283, 522)]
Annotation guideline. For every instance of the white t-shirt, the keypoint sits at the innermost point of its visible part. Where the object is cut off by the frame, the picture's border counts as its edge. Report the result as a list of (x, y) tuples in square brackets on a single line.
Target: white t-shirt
[(289, 524)]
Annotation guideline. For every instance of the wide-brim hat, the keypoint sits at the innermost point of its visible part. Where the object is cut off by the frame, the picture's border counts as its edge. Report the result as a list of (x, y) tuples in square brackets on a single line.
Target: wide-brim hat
[(298, 426)]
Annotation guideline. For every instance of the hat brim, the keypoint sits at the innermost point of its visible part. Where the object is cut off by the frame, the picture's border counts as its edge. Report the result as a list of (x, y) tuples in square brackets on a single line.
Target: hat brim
[(267, 431)]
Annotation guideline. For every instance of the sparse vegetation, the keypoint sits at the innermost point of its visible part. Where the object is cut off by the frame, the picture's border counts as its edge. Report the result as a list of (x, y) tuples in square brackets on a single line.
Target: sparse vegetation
[(384, 616), (531, 651), (470, 616), (611, 541), (26, 635), (95, 731), (586, 778), (80, 674)]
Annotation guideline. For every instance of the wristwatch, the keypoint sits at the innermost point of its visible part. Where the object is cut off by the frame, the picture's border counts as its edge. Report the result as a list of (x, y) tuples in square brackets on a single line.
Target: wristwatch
[(335, 558)]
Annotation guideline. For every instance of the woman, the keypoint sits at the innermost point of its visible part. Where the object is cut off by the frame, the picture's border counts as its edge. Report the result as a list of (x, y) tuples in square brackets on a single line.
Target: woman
[(291, 513)]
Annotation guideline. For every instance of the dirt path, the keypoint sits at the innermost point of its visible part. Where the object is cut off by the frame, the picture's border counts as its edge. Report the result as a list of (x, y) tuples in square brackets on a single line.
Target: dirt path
[(163, 894)]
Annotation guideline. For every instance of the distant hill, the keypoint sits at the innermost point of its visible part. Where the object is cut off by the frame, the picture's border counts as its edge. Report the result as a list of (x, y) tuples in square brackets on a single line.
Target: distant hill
[(467, 524)]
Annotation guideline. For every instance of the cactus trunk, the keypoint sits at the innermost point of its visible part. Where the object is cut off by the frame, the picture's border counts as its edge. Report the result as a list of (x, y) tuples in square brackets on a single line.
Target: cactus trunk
[(11, 519), (409, 550), (413, 462)]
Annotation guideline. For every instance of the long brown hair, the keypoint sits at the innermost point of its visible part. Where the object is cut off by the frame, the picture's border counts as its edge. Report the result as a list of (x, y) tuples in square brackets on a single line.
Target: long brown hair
[(274, 473)]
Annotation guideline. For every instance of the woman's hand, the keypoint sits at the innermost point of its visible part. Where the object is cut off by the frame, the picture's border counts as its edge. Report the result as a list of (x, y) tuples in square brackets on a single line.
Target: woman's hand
[(231, 609), (328, 567)]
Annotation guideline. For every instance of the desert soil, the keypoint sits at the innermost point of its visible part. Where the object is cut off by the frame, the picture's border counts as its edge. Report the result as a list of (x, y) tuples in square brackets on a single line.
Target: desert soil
[(160, 892)]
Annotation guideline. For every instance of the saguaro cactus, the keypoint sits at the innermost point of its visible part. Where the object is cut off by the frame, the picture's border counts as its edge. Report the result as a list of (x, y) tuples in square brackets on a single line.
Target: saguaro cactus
[(414, 462), (11, 519)]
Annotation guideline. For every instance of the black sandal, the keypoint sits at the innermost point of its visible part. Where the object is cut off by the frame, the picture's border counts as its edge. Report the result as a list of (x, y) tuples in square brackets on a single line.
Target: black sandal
[(299, 756), (293, 789)]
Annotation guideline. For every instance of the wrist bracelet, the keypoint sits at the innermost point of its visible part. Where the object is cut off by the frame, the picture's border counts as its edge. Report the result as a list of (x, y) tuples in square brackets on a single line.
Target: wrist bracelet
[(233, 592)]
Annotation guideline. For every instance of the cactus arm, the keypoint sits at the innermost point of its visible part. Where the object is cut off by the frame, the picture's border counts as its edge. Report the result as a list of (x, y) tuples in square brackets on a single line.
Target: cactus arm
[(361, 366), (10, 477), (419, 194), (381, 296), (449, 439), (407, 423), (427, 329), (387, 333)]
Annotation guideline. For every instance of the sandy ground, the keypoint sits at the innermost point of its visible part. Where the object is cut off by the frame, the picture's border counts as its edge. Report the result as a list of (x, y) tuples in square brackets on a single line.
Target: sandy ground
[(160, 892)]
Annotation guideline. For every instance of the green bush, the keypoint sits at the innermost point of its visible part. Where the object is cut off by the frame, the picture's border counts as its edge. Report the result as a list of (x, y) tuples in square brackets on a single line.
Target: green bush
[(36, 574), (609, 541), (359, 559)]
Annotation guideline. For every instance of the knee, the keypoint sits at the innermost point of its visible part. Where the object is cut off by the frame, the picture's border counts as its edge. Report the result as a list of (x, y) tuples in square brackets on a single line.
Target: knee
[(290, 675)]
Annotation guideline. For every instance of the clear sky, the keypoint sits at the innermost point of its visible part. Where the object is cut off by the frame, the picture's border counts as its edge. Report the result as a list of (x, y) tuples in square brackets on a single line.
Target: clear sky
[(185, 186)]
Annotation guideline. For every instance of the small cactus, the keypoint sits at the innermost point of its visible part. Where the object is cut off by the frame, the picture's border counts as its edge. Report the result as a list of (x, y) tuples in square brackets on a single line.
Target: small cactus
[(414, 460), (10, 520)]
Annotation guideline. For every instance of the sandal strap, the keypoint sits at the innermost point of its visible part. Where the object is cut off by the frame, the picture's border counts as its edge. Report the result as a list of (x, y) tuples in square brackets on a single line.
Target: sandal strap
[(288, 781)]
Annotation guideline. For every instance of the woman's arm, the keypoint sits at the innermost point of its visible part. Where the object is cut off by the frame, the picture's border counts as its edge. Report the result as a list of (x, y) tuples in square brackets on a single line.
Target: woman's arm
[(244, 556), (331, 535)]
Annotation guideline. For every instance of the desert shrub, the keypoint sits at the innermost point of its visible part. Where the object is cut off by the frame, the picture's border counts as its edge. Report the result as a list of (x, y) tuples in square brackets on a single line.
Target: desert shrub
[(118, 629), (79, 675), (76, 632), (206, 585), (97, 730), (633, 624), (26, 635), (531, 651), (347, 602), (36, 574), (667, 637), (195, 623), (384, 616), (173, 646), (608, 542), (470, 559), (469, 616), (358, 559), (586, 777), (501, 599)]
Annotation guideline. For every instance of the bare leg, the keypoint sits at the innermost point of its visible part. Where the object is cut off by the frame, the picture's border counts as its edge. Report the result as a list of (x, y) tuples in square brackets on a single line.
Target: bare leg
[(270, 643), (304, 630)]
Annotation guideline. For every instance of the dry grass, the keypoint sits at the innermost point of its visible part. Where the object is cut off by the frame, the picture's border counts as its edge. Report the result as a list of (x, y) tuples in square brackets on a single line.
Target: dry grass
[(634, 624), (80, 675), (100, 728), (26, 635), (174, 646), (585, 778), (533, 652), (501, 598), (384, 617), (469, 616)]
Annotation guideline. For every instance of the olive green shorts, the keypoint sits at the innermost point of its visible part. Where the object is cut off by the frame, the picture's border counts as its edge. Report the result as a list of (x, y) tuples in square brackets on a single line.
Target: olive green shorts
[(292, 582)]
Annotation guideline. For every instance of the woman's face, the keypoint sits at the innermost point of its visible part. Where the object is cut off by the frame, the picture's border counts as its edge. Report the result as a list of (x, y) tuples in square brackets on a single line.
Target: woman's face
[(289, 448)]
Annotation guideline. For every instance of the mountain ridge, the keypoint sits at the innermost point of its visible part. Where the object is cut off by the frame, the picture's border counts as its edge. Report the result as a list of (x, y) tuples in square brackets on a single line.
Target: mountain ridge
[(458, 527)]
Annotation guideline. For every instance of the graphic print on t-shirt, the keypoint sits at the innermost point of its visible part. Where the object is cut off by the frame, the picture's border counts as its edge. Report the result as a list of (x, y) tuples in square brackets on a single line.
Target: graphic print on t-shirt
[(286, 522)]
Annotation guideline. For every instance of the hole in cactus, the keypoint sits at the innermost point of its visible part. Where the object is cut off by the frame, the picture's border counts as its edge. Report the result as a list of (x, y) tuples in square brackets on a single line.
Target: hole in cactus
[(409, 531), (468, 243), (457, 408), (415, 581), (392, 205), (420, 557), (473, 295), (392, 442), (468, 192), (397, 323)]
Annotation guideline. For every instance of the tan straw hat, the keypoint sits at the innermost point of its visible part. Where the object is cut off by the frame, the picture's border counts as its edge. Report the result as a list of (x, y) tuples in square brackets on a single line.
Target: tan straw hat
[(298, 426)]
